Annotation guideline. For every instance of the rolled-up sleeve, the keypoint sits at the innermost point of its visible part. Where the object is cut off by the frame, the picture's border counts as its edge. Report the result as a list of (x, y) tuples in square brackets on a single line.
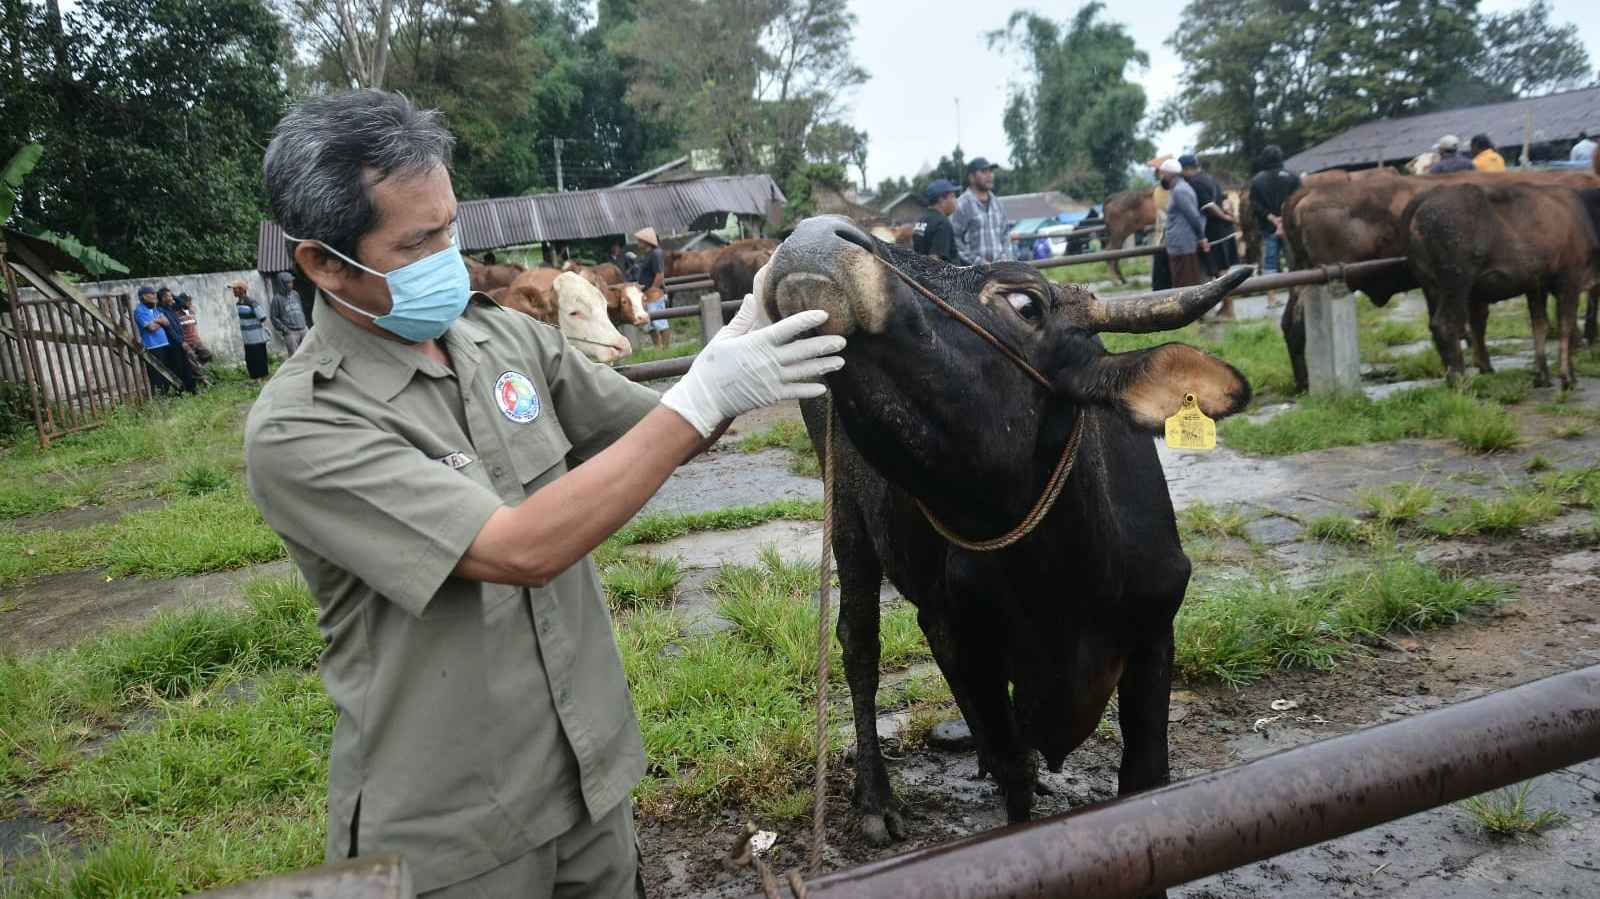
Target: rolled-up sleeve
[(367, 501)]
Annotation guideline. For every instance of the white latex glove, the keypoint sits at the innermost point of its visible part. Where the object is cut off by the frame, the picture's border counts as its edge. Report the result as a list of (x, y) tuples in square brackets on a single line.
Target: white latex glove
[(752, 314), (744, 372)]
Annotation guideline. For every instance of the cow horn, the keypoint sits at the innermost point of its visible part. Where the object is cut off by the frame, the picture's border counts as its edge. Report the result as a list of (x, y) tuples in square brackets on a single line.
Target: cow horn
[(1164, 310)]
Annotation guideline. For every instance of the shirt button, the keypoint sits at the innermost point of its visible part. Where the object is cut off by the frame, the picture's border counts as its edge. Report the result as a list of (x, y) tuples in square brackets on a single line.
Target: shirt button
[(325, 359), (496, 471), (466, 401)]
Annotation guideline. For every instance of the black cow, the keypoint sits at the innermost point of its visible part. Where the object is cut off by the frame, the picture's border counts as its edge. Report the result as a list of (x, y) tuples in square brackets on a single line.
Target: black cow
[(928, 411)]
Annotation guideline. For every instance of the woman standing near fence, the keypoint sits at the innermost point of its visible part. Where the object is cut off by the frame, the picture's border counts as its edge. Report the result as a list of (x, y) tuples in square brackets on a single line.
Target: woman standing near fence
[(253, 328)]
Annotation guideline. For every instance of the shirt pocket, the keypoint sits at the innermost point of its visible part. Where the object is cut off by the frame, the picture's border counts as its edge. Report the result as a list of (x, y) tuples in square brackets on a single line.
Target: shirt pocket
[(538, 452)]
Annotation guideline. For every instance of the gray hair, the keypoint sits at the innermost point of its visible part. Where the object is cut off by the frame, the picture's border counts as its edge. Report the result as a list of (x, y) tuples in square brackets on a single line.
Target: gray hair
[(327, 153)]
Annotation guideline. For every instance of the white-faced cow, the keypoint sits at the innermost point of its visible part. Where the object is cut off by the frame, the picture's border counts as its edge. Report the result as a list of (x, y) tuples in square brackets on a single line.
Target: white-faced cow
[(568, 301), (935, 422)]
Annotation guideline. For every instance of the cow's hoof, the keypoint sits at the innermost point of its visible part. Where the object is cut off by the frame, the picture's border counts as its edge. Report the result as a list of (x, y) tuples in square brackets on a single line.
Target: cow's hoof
[(881, 830)]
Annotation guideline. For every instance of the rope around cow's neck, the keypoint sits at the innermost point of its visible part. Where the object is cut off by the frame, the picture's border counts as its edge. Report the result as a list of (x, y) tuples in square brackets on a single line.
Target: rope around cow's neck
[(1069, 453)]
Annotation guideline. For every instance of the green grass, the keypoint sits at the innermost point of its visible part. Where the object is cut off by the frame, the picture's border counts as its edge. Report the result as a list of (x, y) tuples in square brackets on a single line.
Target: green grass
[(635, 581), (1505, 814), (1574, 486), (214, 531), (1422, 366), (1091, 272), (666, 526), (1506, 514), (1399, 503), (1240, 631), (789, 435), (1343, 529), (1319, 422), (648, 353), (1205, 520), (1505, 387)]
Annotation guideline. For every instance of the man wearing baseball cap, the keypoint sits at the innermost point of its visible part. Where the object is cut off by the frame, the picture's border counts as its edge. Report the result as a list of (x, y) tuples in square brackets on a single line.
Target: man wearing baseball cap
[(980, 219), (933, 235), (1449, 159)]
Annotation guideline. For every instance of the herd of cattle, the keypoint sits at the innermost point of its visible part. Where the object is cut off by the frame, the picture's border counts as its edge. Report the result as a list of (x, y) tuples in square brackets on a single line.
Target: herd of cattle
[(588, 302), (1469, 239)]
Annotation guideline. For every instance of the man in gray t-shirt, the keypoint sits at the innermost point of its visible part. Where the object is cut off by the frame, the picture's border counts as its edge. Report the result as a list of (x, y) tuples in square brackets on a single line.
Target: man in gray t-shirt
[(288, 316)]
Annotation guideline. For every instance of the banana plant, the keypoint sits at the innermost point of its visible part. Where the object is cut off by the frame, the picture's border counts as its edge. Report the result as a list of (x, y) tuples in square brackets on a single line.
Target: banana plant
[(22, 162)]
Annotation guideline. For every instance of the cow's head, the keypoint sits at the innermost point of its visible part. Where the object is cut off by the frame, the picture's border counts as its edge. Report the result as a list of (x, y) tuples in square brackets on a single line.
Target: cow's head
[(945, 415), (581, 315), (630, 304)]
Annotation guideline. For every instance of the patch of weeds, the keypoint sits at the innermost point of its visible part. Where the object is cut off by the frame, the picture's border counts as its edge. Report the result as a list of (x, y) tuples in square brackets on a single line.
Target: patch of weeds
[(789, 435), (1537, 464), (1239, 631), (1569, 430), (666, 526), (794, 805), (1422, 366), (1574, 486), (1505, 814), (1351, 419), (1205, 520), (1335, 528), (648, 353), (1509, 513), (1504, 387), (202, 478), (1400, 504), (921, 721), (637, 581)]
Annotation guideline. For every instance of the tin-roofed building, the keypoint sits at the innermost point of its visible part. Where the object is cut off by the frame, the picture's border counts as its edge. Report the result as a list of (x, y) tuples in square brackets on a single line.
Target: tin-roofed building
[(1550, 124)]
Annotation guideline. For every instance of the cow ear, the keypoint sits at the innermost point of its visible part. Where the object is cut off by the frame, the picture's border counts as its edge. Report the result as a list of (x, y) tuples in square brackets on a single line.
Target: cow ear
[(1148, 386)]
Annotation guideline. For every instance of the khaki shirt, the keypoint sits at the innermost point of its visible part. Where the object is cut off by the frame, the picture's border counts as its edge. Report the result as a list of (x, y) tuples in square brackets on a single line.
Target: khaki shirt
[(477, 721)]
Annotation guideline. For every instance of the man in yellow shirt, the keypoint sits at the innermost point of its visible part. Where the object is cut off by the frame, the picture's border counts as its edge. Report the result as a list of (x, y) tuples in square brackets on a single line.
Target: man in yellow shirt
[(1484, 156)]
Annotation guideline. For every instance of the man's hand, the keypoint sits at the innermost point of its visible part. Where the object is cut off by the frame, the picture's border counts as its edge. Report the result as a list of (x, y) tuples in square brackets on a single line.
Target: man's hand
[(749, 371), (1205, 245)]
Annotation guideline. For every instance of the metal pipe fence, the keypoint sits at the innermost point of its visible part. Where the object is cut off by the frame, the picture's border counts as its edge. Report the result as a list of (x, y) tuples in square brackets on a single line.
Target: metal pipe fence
[(1148, 842)]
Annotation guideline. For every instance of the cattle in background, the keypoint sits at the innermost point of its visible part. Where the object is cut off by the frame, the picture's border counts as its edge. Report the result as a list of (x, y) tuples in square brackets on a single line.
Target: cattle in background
[(488, 277), (1127, 214), (570, 302), (1475, 243), (690, 262), (1032, 638), (624, 301), (734, 272), (1357, 219)]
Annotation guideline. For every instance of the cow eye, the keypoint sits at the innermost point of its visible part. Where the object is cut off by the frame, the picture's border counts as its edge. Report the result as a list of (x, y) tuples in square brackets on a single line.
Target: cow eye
[(1025, 304)]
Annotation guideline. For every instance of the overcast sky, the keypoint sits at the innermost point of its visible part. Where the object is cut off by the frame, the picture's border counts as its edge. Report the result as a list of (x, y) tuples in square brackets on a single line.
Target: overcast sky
[(921, 64)]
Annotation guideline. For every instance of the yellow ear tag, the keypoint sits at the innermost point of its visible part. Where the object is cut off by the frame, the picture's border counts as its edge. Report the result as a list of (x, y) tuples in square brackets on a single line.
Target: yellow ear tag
[(1190, 429)]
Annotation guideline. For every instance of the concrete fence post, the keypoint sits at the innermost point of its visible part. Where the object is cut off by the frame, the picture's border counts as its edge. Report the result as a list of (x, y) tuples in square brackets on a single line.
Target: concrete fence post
[(710, 316), (1333, 347)]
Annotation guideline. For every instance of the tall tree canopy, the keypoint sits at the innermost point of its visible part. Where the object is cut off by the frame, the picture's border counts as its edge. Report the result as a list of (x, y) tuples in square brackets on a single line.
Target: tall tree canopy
[(1075, 125), (1260, 72), (153, 115), (748, 78)]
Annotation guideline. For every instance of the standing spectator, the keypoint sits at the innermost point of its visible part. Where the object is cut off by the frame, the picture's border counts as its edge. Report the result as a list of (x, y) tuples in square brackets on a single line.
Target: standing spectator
[(1219, 222), (193, 347), (1449, 159), (1270, 187), (252, 328), (980, 219), (1583, 150), (651, 275), (1484, 156), (1186, 228), (287, 314), (933, 235), (167, 305), (153, 335), (1160, 272), (618, 258)]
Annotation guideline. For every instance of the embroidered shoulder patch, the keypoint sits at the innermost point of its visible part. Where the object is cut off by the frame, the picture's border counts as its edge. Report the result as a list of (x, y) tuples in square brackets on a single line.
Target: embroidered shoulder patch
[(515, 395)]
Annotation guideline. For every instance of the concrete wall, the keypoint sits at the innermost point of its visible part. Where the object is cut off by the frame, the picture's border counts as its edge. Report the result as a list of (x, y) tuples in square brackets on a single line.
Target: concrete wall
[(213, 306)]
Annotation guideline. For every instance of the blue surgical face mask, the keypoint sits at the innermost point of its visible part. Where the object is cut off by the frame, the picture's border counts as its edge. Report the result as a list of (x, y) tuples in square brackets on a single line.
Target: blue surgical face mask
[(425, 296)]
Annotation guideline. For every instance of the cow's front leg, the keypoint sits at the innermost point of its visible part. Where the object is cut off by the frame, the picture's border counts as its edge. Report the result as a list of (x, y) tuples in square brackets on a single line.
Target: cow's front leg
[(860, 575)]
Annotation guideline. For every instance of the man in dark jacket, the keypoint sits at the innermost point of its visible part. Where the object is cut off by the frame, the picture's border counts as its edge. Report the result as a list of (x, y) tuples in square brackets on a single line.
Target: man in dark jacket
[(1449, 159), (932, 235)]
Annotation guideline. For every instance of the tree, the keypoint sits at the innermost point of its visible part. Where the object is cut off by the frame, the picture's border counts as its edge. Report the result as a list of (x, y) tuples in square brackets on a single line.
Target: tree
[(153, 115), (840, 144), (1264, 72), (748, 78), (1074, 126)]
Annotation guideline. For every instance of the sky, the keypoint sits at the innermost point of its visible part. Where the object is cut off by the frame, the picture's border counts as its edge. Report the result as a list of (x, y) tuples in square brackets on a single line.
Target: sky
[(921, 66)]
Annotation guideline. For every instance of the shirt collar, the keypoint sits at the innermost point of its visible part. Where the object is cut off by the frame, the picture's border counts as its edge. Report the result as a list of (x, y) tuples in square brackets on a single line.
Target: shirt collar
[(387, 366)]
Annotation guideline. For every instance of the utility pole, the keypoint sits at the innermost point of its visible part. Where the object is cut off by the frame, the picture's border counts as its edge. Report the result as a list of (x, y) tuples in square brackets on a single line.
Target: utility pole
[(560, 186)]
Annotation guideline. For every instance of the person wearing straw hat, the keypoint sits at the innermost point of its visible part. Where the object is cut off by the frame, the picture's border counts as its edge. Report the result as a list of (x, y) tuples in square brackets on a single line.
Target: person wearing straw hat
[(652, 273)]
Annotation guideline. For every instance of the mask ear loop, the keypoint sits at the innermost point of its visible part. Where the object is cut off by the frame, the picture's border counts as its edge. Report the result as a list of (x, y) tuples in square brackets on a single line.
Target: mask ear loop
[(341, 300)]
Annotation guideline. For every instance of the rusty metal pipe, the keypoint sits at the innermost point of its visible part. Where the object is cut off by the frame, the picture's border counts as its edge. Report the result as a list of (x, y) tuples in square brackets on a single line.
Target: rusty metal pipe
[(1263, 283), (653, 371), (1290, 800), (1098, 256), (728, 308)]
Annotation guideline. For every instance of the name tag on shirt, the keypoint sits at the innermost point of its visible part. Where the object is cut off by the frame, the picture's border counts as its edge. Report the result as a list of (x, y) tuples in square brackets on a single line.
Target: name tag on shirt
[(457, 460)]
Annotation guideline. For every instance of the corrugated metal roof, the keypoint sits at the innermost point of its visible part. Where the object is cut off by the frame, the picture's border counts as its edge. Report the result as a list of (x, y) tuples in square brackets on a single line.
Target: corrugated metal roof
[(1043, 205), (1557, 117), (509, 221)]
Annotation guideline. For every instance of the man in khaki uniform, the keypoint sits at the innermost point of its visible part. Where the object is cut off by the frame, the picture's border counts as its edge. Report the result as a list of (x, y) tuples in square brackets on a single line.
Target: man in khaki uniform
[(414, 456)]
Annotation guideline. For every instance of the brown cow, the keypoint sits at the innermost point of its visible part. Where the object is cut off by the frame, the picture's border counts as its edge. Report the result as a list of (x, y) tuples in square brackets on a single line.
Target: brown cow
[(690, 262), (734, 272), (488, 277), (572, 303), (1127, 214), (1358, 218), (1475, 243)]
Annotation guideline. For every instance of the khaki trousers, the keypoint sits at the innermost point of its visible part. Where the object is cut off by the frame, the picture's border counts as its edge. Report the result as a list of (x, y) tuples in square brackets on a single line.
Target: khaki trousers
[(291, 341), (598, 859)]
